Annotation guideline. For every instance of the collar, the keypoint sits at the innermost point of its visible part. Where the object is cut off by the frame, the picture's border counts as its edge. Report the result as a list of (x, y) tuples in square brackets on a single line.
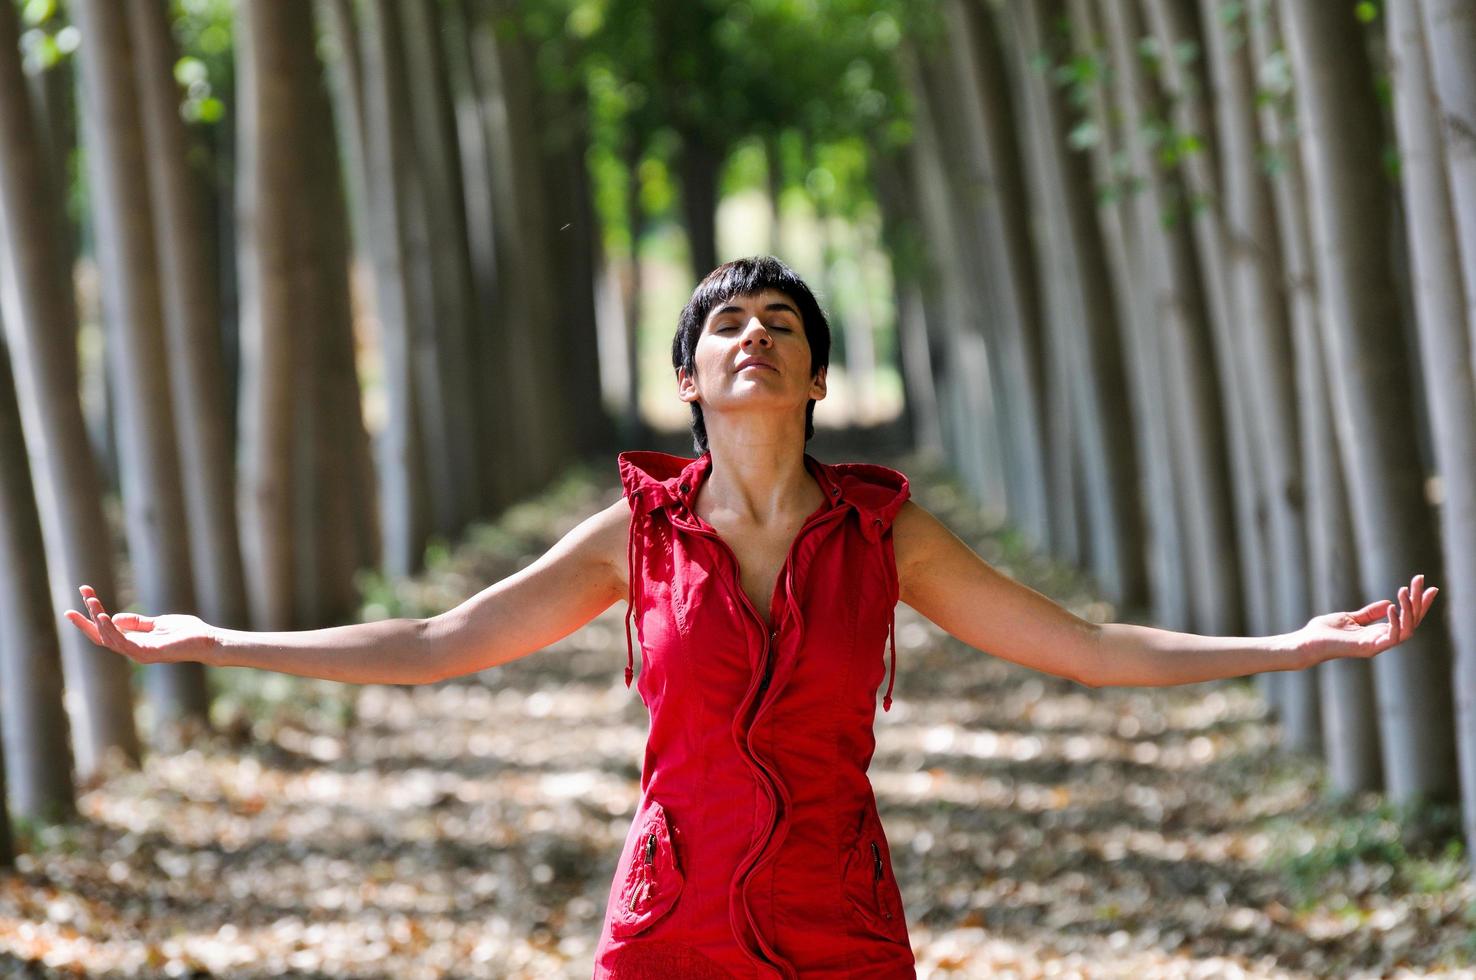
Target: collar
[(655, 479)]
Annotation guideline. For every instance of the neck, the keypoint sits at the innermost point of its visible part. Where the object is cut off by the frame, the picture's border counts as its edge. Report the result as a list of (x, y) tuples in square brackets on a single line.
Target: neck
[(758, 476)]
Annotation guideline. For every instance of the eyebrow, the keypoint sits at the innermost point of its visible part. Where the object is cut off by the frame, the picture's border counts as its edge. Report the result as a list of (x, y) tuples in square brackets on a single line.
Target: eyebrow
[(771, 307)]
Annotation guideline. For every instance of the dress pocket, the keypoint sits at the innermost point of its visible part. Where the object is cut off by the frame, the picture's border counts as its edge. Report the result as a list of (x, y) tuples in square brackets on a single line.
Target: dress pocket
[(651, 876), (871, 888)]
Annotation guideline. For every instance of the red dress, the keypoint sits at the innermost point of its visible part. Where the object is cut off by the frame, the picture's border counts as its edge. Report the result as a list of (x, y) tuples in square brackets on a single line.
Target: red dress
[(756, 850)]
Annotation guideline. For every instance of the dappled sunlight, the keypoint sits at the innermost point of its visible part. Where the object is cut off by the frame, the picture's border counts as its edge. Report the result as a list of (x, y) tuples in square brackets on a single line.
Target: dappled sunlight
[(469, 828)]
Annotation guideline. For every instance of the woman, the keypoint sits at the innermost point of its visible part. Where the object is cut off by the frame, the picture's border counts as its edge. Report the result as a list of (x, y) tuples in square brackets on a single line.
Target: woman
[(762, 584)]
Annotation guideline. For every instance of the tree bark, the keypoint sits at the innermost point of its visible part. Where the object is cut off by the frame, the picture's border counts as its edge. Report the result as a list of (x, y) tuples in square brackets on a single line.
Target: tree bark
[(1197, 419), (1090, 332), (1450, 26), (1266, 366), (40, 320), (1004, 217), (191, 323), (337, 533), (1369, 372), (149, 460), (1160, 507), (438, 170), (699, 165), (37, 754), (1349, 712), (1445, 347), (404, 510)]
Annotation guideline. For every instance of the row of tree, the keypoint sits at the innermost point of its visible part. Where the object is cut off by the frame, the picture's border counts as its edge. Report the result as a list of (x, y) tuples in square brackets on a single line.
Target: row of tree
[(1208, 267), (414, 134)]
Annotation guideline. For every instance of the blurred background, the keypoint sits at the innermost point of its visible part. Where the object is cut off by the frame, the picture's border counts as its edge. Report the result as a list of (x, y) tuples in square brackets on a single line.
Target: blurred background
[(319, 312)]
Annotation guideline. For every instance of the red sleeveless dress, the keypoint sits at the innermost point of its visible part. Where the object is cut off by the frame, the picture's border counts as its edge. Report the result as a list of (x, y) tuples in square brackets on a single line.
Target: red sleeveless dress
[(756, 849)]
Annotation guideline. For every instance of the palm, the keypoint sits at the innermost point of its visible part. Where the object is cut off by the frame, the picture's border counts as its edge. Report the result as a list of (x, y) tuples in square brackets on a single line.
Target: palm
[(1371, 630), (170, 638)]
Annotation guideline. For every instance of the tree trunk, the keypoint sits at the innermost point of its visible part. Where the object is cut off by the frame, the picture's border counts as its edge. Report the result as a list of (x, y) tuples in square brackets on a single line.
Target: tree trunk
[(1267, 366), (1090, 332), (575, 244), (1450, 26), (333, 440), (191, 322), (153, 498), (635, 217), (1002, 205), (40, 320), (1196, 419), (1369, 373), (485, 353), (404, 512), (1445, 346), (1160, 507), (523, 245), (920, 398), (438, 171), (699, 165), (969, 402), (1349, 712), (37, 755)]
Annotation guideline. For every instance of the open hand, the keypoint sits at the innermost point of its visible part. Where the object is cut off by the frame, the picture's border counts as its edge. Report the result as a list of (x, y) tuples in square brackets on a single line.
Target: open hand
[(172, 638), (1369, 631)]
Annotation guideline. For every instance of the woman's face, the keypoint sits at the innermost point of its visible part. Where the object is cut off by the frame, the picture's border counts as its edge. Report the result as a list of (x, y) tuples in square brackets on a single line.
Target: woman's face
[(752, 352)]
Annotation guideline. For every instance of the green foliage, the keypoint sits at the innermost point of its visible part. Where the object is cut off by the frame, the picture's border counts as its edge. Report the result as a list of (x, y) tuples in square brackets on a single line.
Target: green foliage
[(1418, 844), (662, 73)]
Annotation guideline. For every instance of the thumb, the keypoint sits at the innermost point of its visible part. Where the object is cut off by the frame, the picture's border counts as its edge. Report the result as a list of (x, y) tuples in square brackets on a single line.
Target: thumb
[(1372, 612)]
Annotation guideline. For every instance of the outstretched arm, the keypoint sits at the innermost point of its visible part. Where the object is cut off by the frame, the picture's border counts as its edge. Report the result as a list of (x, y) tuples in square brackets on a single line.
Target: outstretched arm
[(570, 584), (944, 580)]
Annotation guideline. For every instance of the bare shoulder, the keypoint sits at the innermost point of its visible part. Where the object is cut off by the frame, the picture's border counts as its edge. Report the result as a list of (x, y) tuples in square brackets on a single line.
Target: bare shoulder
[(917, 537)]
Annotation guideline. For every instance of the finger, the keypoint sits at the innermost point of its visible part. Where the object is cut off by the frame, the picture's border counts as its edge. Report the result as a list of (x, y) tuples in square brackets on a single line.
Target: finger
[(1393, 624), (116, 640), (1406, 610), (1371, 612), (85, 625), (134, 621), (94, 607), (87, 591), (1427, 599)]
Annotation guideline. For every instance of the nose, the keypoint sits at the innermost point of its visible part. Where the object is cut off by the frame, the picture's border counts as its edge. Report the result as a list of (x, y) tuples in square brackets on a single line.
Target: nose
[(759, 336)]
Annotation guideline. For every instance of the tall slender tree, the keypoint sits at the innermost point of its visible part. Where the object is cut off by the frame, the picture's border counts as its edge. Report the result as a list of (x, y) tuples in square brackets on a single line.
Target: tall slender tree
[(149, 461), (40, 322), (1370, 380), (1445, 348)]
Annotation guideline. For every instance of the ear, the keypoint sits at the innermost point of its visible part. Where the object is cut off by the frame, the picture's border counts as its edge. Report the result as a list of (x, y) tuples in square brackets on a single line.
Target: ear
[(686, 386), (817, 385)]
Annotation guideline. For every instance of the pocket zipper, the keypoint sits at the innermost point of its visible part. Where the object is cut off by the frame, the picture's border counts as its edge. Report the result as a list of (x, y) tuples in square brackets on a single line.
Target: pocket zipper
[(876, 884), (644, 888)]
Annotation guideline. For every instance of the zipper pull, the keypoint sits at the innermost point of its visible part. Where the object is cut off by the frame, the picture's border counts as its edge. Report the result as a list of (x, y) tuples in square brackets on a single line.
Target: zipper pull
[(651, 848)]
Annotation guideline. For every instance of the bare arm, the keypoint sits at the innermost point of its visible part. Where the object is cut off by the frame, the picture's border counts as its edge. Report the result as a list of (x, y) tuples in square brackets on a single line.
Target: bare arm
[(942, 578), (565, 588)]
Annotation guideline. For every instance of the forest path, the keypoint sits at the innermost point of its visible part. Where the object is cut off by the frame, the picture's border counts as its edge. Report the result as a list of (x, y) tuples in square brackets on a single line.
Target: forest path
[(471, 828)]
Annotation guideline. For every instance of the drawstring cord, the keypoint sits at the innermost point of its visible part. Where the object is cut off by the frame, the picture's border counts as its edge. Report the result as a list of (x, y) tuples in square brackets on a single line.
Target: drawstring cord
[(892, 636), (885, 553), (630, 560)]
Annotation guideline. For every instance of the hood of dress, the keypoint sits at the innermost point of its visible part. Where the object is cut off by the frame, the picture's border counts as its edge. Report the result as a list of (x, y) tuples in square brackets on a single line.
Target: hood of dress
[(655, 479)]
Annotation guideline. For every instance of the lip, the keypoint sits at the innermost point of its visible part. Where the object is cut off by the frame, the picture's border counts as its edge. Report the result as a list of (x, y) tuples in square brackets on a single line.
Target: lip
[(756, 362)]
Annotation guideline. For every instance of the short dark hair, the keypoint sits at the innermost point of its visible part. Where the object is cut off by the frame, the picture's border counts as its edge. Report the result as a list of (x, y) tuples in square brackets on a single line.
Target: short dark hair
[(748, 277)]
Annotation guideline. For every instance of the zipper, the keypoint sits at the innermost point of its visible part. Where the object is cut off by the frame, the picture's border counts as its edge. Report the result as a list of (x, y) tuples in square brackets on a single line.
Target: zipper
[(642, 890), (876, 881), (769, 635)]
